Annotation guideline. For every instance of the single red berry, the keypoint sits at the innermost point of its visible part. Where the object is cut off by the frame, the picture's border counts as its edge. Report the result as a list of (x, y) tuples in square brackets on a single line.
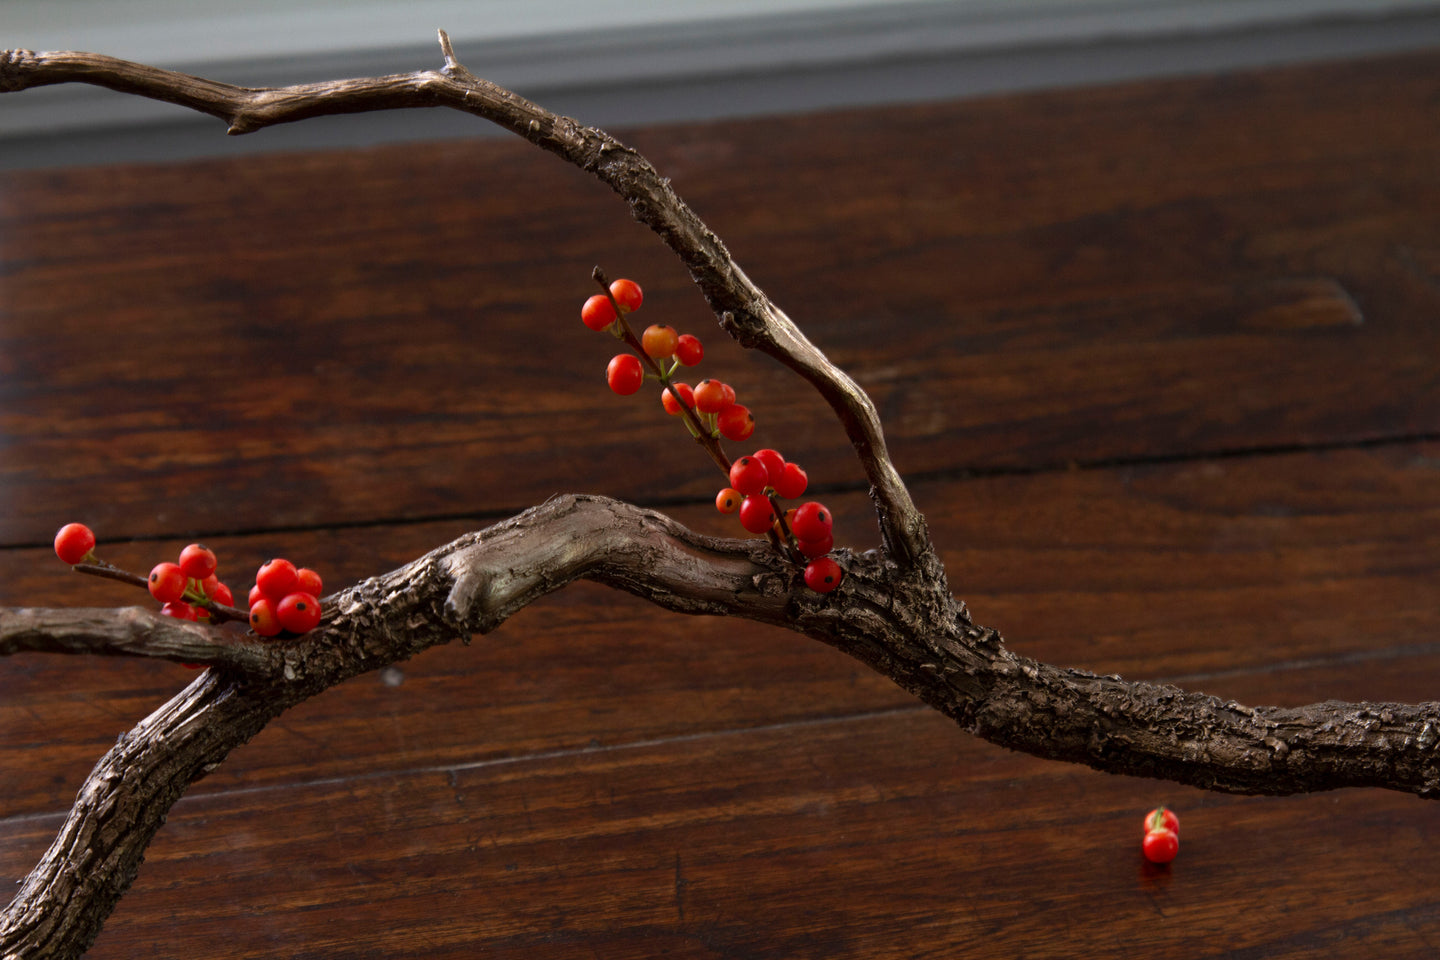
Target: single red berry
[(276, 578), (167, 582), (712, 396), (811, 521), (255, 594), (728, 500), (73, 543), (689, 350), (791, 483), (298, 612), (628, 294), (1162, 818), (308, 581), (659, 340), (262, 618), (178, 609), (598, 312), (624, 374), (816, 548), (756, 514), (823, 575), (1160, 846), (220, 594), (735, 423), (774, 463), (198, 561), (668, 401), (749, 476)]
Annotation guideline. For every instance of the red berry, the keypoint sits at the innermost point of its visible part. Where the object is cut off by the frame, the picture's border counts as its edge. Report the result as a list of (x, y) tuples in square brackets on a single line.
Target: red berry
[(791, 483), (178, 609), (598, 312), (1160, 846), (624, 374), (689, 350), (816, 548), (73, 543), (262, 618), (1162, 818), (308, 581), (668, 401), (812, 522), (198, 561), (728, 500), (823, 575), (255, 594), (659, 340), (749, 476), (628, 294), (220, 594), (756, 514), (276, 578), (167, 582), (298, 612), (712, 396), (735, 423), (774, 463)]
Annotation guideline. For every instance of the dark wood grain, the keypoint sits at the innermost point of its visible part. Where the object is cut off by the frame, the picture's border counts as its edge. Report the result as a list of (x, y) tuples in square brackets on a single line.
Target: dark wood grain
[(1161, 358)]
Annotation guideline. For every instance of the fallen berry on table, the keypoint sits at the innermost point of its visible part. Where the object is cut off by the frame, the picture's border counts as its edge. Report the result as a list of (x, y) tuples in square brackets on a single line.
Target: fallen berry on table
[(598, 312), (167, 582), (811, 521), (1162, 818), (659, 340), (1160, 846), (823, 575), (735, 423), (628, 294), (198, 561), (624, 374), (689, 350), (668, 401), (73, 543), (756, 514), (728, 500)]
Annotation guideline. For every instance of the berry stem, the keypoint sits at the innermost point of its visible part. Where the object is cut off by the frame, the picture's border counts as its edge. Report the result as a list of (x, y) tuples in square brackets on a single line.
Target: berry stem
[(697, 429), (108, 571)]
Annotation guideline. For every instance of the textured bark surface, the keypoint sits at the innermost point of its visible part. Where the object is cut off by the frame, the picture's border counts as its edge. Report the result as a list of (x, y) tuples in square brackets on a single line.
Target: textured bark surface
[(895, 612)]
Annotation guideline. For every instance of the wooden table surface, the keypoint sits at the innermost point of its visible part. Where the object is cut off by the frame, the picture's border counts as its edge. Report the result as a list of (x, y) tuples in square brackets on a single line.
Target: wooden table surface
[(1161, 361)]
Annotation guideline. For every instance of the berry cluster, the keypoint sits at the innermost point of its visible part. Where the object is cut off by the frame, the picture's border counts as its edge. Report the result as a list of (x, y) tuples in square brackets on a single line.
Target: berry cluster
[(1162, 835), (710, 411), (189, 589), (756, 482), (284, 598), (709, 407)]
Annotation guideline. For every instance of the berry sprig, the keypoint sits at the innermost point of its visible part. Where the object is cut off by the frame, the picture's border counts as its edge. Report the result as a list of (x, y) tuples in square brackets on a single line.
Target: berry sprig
[(1162, 836), (285, 598), (710, 411)]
